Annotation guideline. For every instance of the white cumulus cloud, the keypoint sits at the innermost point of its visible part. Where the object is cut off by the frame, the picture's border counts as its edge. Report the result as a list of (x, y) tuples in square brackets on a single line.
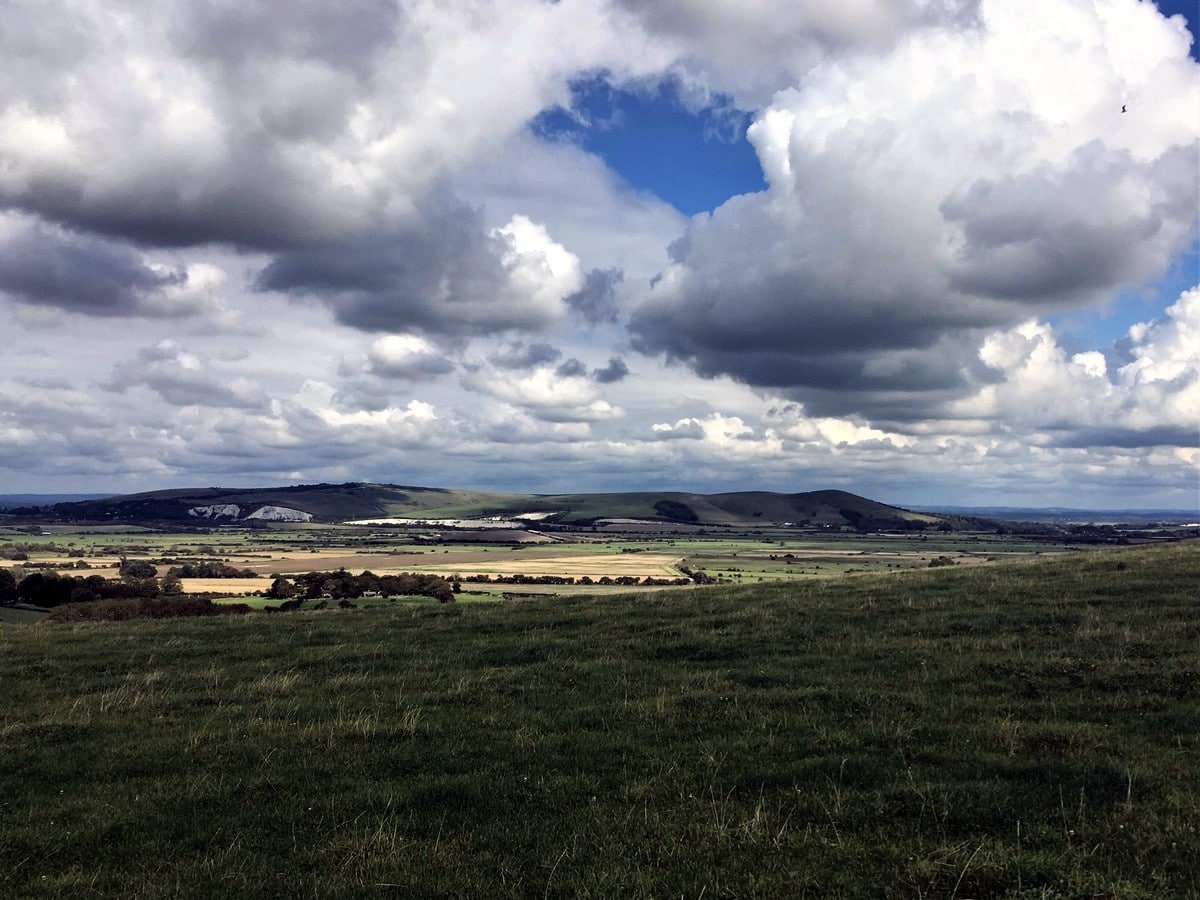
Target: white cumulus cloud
[(919, 198)]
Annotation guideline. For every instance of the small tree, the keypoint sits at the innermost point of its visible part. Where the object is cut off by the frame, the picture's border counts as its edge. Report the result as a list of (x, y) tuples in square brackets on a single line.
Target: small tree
[(8, 587), (137, 568), (82, 594), (281, 589)]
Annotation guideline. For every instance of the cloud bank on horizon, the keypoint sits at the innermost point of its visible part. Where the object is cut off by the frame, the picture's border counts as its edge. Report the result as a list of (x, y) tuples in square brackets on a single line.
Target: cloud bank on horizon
[(262, 243)]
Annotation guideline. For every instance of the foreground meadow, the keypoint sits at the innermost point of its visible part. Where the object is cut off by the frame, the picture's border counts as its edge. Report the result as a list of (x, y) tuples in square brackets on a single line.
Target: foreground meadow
[(1027, 729)]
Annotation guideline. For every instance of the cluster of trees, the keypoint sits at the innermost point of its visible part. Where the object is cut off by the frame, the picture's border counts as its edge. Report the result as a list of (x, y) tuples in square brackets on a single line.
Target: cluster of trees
[(212, 569), (49, 589), (865, 524), (675, 511), (137, 568), (698, 576), (341, 585)]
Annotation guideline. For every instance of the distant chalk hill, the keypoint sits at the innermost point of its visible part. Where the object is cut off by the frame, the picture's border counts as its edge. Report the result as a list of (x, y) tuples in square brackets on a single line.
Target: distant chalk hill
[(359, 501), (263, 513)]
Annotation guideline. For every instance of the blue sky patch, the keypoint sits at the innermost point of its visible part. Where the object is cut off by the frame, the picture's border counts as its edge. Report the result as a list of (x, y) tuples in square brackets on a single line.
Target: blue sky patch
[(1102, 327), (1190, 10), (693, 160)]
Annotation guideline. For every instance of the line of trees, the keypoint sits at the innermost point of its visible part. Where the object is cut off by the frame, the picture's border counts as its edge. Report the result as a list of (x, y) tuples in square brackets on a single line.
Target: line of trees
[(865, 524), (341, 585), (213, 569)]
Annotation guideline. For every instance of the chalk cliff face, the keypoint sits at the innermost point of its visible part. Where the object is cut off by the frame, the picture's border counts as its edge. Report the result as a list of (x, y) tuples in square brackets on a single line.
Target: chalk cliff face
[(262, 514), (279, 514), (220, 511)]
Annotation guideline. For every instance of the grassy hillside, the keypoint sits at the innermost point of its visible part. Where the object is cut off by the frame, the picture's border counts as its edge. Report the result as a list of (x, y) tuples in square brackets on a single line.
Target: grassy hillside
[(814, 507), (342, 502), (1020, 730), (327, 502)]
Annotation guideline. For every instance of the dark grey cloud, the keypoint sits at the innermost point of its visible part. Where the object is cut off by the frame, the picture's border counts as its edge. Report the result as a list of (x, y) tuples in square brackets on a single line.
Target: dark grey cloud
[(1051, 235), (325, 134), (837, 298), (801, 334), (194, 123), (50, 406), (181, 380), (596, 300), (571, 368), (444, 274), (267, 206), (520, 355), (1127, 438), (747, 50), (826, 20), (426, 368), (44, 265), (615, 371), (347, 35)]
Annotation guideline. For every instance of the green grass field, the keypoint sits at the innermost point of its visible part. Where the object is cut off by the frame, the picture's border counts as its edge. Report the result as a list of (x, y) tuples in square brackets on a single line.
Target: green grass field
[(1022, 730), (24, 615)]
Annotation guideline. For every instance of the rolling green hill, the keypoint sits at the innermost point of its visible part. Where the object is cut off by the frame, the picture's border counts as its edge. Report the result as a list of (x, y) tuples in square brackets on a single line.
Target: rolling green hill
[(1023, 730), (355, 501), (323, 502)]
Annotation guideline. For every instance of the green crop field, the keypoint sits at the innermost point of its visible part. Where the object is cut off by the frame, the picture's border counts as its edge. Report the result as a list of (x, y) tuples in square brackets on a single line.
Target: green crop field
[(1025, 729)]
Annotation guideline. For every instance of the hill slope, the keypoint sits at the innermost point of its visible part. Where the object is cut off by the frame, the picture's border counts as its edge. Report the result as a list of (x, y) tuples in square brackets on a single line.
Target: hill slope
[(356, 501)]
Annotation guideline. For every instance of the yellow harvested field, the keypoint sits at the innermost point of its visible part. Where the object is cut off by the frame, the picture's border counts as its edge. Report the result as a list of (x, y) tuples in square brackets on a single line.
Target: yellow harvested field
[(229, 587), (596, 565), (293, 562)]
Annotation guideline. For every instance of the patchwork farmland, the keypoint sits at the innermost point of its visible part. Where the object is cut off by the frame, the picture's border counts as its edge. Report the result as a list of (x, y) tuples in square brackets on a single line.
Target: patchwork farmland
[(580, 563)]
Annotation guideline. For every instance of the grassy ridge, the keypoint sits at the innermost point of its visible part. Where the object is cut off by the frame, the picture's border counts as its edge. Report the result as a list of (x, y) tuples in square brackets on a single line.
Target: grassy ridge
[(339, 502), (1023, 730)]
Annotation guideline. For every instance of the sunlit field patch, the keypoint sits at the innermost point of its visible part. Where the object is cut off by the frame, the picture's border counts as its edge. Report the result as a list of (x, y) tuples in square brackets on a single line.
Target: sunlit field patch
[(230, 587), (641, 565)]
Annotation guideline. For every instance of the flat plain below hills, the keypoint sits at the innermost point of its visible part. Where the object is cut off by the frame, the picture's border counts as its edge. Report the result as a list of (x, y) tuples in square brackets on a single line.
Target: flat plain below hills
[(281, 551)]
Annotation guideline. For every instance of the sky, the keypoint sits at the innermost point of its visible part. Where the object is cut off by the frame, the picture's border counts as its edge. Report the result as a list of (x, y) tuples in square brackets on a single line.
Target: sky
[(928, 251)]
